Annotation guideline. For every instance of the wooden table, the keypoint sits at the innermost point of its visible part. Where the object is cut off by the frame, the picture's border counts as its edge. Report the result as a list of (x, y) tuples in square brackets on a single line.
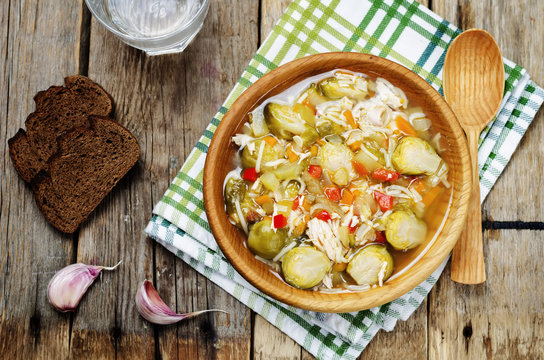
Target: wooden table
[(166, 102)]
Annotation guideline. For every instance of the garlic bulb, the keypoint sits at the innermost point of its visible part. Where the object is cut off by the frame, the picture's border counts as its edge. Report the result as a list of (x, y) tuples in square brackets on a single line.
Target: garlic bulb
[(69, 284), (153, 309)]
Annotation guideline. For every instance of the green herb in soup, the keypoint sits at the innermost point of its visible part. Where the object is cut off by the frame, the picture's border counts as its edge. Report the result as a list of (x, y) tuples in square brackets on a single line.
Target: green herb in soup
[(334, 182)]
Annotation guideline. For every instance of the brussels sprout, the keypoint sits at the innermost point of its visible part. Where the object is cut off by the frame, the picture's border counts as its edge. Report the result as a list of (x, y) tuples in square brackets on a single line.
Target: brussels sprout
[(270, 153), (415, 156), (264, 241), (334, 157), (328, 128), (366, 266), (312, 184), (309, 136), (291, 190), (370, 157), (404, 230), (305, 267), (235, 189), (283, 121), (332, 89), (313, 95)]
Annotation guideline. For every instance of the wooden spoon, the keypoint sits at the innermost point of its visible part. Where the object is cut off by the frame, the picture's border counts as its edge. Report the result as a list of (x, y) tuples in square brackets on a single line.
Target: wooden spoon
[(474, 87)]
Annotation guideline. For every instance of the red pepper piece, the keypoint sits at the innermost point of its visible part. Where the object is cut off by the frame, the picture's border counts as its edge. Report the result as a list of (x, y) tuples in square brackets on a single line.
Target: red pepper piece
[(352, 229), (384, 201), (296, 203), (250, 174), (380, 237), (323, 215), (333, 194), (279, 221), (315, 171), (359, 168), (385, 175)]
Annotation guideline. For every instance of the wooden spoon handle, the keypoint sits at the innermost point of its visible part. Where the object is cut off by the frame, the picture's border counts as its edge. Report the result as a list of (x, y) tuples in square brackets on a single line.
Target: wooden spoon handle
[(467, 261)]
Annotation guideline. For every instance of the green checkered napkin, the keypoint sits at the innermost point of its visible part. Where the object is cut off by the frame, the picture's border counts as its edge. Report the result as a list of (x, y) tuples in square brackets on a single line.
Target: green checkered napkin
[(402, 31)]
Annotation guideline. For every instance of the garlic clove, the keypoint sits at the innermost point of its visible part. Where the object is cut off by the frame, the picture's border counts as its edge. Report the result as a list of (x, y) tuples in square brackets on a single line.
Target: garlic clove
[(69, 284), (153, 309)]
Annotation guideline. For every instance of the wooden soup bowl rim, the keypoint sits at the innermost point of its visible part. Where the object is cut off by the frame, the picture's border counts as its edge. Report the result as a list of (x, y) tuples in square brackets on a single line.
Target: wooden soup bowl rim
[(232, 241)]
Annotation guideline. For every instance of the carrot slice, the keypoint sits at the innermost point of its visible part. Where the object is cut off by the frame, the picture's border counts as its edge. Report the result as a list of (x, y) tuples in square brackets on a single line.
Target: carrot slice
[(263, 199), (347, 197), (291, 155), (349, 118), (405, 126), (354, 146), (270, 140)]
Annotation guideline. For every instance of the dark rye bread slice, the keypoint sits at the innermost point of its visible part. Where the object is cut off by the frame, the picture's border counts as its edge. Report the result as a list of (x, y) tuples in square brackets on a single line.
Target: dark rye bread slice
[(58, 109), (88, 164)]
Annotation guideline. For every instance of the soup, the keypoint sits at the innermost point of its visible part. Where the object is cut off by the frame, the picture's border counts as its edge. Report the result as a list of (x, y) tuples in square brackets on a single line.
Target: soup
[(335, 182)]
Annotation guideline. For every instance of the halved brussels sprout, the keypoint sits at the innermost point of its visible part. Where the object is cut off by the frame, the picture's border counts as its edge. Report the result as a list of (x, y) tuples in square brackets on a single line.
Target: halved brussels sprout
[(313, 95), (328, 128), (305, 267), (264, 241), (404, 230), (291, 190), (270, 153), (335, 156), (369, 264), (332, 89), (283, 121), (415, 156), (308, 136), (236, 190)]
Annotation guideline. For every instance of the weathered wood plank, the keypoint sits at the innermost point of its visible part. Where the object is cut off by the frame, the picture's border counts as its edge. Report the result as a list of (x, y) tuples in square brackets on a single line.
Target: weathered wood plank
[(107, 324), (501, 318), (213, 64), (518, 30), (37, 51), (409, 336), (174, 99)]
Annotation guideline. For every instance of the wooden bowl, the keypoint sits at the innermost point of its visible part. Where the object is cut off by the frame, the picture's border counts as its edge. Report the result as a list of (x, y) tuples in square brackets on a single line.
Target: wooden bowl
[(452, 205)]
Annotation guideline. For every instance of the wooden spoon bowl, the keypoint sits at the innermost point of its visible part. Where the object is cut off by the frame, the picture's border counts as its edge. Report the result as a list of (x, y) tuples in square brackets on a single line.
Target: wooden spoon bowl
[(451, 208)]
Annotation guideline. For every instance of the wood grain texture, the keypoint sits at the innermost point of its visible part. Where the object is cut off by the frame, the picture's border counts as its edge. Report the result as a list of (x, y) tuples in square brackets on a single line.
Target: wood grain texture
[(167, 102), (502, 318), (34, 55)]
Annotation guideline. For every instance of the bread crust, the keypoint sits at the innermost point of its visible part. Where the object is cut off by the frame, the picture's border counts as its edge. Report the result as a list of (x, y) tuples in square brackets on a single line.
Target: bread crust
[(58, 109)]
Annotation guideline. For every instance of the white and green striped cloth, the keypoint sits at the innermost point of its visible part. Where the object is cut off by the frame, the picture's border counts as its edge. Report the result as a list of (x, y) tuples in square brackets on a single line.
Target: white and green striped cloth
[(402, 31)]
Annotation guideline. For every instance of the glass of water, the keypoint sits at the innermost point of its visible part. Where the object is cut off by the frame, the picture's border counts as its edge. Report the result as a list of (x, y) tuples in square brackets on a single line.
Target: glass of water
[(155, 26)]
